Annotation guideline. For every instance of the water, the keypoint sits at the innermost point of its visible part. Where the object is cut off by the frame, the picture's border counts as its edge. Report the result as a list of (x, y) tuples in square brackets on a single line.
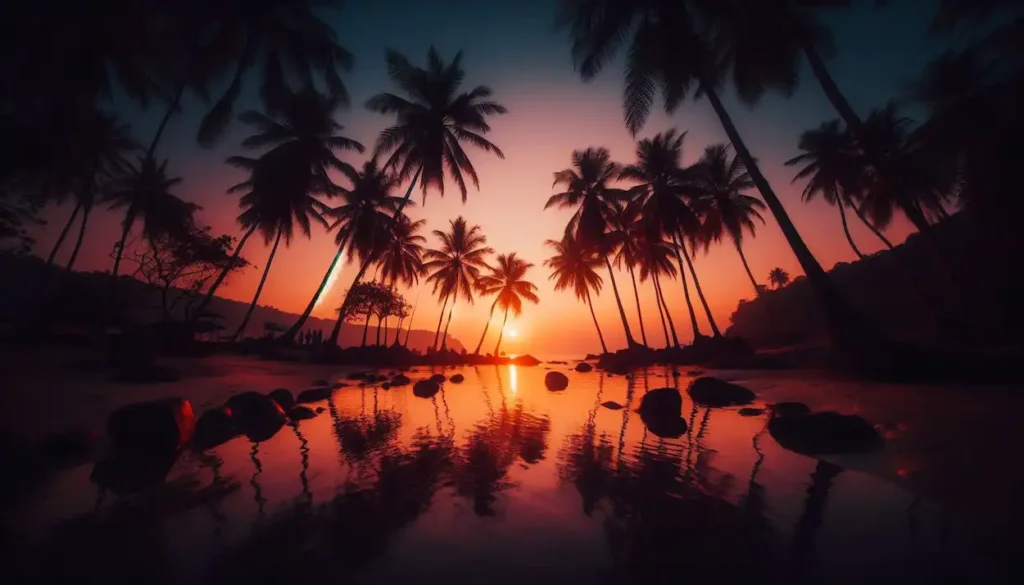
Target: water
[(498, 480)]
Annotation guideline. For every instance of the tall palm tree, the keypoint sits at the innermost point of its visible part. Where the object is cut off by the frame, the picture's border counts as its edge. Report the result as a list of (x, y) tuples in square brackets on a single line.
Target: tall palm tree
[(778, 277), (507, 281), (665, 187), (455, 266), (655, 258), (587, 190), (725, 208), (401, 259), (624, 231), (670, 48), (575, 266)]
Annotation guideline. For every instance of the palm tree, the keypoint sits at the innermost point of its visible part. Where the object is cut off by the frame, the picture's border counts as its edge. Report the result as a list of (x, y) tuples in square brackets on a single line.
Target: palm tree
[(670, 48), (778, 277), (401, 259), (455, 266), (664, 187), (575, 266), (434, 121), (655, 258), (506, 280), (724, 207), (587, 190), (624, 230)]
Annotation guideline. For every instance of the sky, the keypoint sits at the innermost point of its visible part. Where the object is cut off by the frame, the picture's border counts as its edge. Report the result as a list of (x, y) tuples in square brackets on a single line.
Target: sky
[(514, 48)]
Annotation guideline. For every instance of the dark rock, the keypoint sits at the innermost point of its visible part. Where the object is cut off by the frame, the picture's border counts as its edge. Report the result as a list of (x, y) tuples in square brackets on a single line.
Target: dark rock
[(592, 356), (151, 429), (301, 413), (457, 379), (824, 433), (751, 411), (426, 388), (556, 381), (660, 411), (666, 427), (337, 385), (214, 427), (400, 380), (283, 397), (313, 395), (356, 375), (612, 405), (557, 362), (370, 378), (386, 385), (257, 416), (584, 367), (790, 409), (708, 391), (320, 382), (439, 378), (68, 448), (525, 360), (319, 409)]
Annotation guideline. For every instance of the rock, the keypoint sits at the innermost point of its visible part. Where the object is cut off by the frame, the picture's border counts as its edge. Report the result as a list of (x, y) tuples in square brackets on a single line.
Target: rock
[(68, 448), (592, 356), (356, 375), (824, 433), (313, 395), (386, 385), (370, 378), (214, 427), (438, 378), (283, 397), (790, 409), (337, 385), (556, 381), (696, 372), (584, 367), (257, 416), (751, 411), (301, 413), (526, 360), (612, 405), (660, 411), (666, 427), (457, 379), (426, 388), (400, 380), (151, 429), (320, 382), (708, 391), (319, 409)]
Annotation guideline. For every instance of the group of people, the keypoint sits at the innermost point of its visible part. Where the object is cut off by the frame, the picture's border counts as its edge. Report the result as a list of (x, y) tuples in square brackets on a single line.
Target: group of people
[(310, 337)]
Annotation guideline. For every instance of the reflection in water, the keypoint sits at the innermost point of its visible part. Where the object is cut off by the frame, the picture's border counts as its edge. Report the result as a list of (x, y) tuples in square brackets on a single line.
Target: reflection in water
[(381, 473)]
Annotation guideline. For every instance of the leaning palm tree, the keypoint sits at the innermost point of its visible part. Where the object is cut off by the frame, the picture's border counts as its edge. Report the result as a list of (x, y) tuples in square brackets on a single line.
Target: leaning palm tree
[(507, 281), (575, 266), (725, 208), (654, 256), (455, 267), (587, 190), (624, 226), (665, 188), (778, 277), (671, 48)]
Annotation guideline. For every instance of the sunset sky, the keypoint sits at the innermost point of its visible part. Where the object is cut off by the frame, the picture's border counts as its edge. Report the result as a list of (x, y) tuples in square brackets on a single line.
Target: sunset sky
[(513, 48)]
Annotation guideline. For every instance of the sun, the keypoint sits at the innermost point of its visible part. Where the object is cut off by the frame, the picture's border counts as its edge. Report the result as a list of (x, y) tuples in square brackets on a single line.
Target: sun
[(511, 332)]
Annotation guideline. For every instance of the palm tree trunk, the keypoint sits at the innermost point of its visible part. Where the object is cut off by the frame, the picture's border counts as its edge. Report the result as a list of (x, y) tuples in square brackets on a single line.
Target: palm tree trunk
[(849, 329), (630, 342), (440, 319), (289, 335), (223, 273), (846, 229), (661, 314), (379, 321), (63, 235), (366, 328), (411, 315), (336, 330), (639, 315), (444, 336), (501, 333), (486, 327), (171, 108), (700, 293), (686, 288), (668, 314), (871, 226), (128, 222), (87, 208), (828, 85), (259, 287), (408, 196), (753, 281), (590, 304)]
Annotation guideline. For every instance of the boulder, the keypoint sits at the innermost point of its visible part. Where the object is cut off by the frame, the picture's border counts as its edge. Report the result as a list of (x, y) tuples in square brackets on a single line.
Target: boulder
[(660, 411), (708, 391), (151, 429), (319, 409), (824, 433), (400, 380), (337, 385), (556, 381), (666, 427), (320, 382), (457, 379), (584, 367), (301, 413), (356, 375), (426, 388), (790, 409), (526, 360), (256, 416), (751, 411), (386, 385), (283, 397), (214, 427), (612, 405), (313, 395), (370, 378), (438, 378)]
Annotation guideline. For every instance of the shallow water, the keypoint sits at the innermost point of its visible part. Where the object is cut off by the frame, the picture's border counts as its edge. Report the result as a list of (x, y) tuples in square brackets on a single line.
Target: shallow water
[(498, 480)]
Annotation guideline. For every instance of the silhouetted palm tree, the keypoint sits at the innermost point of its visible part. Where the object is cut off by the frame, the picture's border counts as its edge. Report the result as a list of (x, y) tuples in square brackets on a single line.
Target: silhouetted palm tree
[(587, 190), (665, 186), (778, 277), (725, 208), (434, 121), (623, 237), (670, 48), (455, 266), (401, 259), (506, 280), (655, 258), (575, 266)]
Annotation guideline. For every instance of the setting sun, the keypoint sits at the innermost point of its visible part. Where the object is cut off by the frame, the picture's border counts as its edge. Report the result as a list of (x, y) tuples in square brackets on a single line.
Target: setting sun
[(511, 332)]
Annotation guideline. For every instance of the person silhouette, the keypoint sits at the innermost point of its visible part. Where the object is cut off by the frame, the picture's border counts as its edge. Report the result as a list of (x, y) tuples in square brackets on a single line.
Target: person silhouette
[(309, 337)]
